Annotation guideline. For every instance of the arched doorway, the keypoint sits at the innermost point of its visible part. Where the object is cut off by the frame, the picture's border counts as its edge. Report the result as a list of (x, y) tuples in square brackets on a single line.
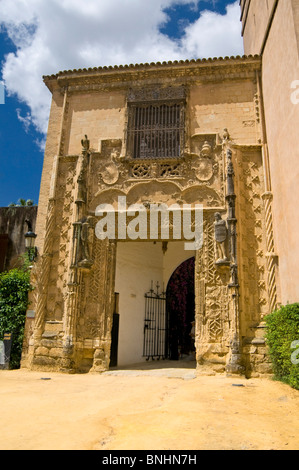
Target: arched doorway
[(180, 305)]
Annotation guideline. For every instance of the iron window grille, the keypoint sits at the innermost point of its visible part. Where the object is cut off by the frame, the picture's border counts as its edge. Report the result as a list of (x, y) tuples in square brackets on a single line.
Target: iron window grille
[(155, 131)]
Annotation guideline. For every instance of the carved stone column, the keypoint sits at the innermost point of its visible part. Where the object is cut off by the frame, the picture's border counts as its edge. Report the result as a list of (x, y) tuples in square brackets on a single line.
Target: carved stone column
[(234, 364), (101, 358), (75, 270)]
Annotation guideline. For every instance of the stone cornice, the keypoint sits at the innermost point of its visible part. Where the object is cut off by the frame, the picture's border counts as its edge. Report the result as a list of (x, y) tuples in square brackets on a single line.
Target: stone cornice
[(175, 72)]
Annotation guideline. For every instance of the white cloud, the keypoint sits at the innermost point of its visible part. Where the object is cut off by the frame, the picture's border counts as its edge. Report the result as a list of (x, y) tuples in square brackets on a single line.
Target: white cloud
[(213, 35), (55, 35)]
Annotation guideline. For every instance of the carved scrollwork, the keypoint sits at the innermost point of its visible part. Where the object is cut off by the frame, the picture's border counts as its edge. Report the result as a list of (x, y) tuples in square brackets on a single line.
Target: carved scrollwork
[(141, 170), (168, 170)]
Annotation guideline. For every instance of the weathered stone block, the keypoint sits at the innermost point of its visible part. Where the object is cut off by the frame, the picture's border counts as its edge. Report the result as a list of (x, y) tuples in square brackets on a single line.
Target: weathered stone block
[(50, 343), (44, 361), (42, 351), (56, 352)]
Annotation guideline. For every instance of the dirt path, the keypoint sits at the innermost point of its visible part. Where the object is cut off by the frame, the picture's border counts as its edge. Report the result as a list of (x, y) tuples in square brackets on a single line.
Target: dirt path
[(165, 409)]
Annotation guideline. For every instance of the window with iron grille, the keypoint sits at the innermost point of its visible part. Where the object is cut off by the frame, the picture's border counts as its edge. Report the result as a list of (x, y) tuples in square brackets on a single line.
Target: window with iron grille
[(155, 130)]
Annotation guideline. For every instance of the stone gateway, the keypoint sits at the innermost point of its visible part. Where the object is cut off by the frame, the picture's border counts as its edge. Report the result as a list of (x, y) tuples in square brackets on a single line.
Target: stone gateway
[(183, 133)]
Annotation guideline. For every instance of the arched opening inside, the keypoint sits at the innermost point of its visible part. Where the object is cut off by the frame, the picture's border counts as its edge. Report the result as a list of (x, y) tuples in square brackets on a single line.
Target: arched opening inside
[(143, 272), (180, 306)]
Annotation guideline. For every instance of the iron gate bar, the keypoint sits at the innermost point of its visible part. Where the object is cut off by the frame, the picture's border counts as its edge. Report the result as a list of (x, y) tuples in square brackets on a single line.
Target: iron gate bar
[(155, 326)]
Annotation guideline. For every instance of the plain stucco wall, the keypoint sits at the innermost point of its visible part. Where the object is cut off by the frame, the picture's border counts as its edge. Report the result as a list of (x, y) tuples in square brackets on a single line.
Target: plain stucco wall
[(280, 69), (138, 264)]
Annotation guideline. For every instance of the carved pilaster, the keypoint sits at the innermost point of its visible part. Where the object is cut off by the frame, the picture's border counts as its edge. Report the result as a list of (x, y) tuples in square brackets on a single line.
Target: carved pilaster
[(81, 199), (43, 271), (102, 353), (270, 255), (231, 220), (64, 121), (70, 321), (234, 364)]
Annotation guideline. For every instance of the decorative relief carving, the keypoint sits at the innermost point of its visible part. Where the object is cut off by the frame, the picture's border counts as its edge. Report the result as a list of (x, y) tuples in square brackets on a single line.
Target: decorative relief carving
[(110, 173), (169, 170), (61, 237), (145, 94), (271, 255), (202, 171), (214, 324), (141, 170), (157, 170), (215, 327), (252, 233), (206, 158), (109, 170)]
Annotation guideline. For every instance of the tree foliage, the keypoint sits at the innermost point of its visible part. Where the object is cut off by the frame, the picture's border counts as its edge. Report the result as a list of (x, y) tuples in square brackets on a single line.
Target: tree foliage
[(22, 203), (282, 337), (14, 288)]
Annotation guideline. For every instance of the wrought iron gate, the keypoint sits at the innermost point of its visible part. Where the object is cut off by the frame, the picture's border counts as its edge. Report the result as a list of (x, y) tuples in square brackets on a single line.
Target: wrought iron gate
[(155, 343)]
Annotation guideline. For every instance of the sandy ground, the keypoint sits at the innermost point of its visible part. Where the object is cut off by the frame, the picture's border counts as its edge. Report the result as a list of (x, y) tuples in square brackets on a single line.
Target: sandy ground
[(169, 408)]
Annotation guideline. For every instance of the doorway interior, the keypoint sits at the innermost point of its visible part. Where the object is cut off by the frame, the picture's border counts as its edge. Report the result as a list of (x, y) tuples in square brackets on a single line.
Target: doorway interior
[(180, 307), (139, 266)]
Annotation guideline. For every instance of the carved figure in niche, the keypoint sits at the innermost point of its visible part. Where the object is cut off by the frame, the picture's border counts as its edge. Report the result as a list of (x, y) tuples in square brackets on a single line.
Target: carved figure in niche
[(86, 235), (85, 144), (81, 194), (225, 134), (221, 233)]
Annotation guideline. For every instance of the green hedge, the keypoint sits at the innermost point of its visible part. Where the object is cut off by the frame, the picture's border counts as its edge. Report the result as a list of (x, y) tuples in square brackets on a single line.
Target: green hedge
[(282, 336), (14, 288)]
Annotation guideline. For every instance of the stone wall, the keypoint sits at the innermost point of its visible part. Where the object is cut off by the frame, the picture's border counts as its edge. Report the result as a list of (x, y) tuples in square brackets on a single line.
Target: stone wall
[(275, 25), (14, 227)]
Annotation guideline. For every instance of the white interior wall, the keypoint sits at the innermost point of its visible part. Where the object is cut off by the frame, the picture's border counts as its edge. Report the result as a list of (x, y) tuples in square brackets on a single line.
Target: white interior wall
[(138, 264)]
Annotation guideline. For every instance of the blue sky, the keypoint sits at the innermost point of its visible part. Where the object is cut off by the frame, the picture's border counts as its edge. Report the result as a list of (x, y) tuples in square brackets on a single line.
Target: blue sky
[(39, 38), (21, 158)]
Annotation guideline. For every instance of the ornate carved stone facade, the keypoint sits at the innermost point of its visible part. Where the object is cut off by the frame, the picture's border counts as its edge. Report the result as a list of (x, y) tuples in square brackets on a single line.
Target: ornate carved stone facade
[(220, 167)]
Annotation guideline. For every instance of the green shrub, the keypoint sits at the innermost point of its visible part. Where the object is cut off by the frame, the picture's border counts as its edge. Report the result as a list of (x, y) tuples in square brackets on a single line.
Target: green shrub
[(14, 288), (282, 333)]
